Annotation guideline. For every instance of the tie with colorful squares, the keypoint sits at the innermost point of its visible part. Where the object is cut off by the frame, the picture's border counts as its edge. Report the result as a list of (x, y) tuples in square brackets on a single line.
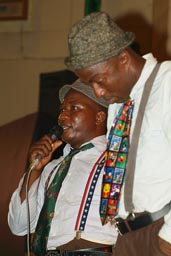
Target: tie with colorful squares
[(115, 162)]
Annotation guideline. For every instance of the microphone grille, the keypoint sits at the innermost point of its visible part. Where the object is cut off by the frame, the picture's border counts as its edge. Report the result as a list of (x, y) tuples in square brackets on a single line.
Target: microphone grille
[(56, 132)]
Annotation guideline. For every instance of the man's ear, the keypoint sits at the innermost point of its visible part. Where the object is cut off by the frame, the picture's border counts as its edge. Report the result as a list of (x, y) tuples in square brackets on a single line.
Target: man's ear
[(101, 117), (124, 57), (124, 60)]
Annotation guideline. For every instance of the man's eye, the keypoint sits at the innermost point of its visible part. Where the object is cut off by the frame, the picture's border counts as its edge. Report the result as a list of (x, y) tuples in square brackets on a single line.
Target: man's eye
[(61, 110), (100, 81), (75, 107)]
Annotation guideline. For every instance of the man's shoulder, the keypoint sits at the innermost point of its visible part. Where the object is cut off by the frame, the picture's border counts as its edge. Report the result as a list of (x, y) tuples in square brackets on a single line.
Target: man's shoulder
[(166, 66), (100, 143)]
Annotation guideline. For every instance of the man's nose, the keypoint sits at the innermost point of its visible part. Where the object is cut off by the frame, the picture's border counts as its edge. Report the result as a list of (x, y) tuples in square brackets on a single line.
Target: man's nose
[(63, 116), (99, 92)]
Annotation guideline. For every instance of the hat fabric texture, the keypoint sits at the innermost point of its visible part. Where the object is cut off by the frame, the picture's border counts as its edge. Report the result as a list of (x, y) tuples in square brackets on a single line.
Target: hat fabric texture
[(94, 39), (84, 89)]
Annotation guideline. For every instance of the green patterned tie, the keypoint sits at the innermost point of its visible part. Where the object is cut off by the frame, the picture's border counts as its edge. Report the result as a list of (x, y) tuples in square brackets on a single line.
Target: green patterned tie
[(40, 238)]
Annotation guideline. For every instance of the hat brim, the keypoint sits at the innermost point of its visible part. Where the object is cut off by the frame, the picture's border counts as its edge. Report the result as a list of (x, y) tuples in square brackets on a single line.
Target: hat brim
[(82, 88)]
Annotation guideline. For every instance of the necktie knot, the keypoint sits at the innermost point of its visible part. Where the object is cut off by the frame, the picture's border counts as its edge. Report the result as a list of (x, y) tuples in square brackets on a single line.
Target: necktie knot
[(74, 151)]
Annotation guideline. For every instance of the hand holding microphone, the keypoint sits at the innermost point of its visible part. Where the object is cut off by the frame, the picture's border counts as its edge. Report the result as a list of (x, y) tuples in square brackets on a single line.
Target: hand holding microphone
[(39, 155), (41, 151)]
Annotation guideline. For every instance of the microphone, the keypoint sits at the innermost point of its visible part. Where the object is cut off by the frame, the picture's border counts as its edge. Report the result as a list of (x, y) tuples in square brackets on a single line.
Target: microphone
[(55, 134)]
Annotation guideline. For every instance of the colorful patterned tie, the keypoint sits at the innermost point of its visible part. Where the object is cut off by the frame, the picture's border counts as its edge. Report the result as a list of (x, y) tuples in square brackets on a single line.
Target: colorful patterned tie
[(46, 215), (115, 163)]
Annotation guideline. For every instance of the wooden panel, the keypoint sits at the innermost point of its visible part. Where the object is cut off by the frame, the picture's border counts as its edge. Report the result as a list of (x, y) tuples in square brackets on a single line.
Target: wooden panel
[(160, 28)]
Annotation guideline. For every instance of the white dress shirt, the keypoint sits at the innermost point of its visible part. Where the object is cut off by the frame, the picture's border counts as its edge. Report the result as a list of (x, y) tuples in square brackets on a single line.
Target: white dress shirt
[(68, 202), (152, 184)]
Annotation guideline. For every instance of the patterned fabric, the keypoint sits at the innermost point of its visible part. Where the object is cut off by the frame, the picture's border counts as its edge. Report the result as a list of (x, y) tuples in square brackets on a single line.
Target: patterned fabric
[(46, 215), (116, 160), (88, 195), (94, 39)]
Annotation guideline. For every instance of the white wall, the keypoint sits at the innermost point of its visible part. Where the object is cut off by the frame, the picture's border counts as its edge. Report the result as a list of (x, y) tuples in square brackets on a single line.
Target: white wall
[(28, 48)]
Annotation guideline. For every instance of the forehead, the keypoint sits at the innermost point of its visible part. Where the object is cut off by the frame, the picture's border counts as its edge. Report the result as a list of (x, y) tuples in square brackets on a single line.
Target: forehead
[(90, 73), (94, 69)]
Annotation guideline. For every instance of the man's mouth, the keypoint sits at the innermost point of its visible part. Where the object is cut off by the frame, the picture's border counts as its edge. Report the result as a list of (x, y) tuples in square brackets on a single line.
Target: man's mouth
[(65, 127)]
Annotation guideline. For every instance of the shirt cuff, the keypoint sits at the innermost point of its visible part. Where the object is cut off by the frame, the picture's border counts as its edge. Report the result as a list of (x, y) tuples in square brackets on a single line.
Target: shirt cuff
[(17, 216)]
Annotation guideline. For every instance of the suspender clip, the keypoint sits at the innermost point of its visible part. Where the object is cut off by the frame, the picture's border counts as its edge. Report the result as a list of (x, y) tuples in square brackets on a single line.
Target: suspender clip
[(131, 216), (78, 234)]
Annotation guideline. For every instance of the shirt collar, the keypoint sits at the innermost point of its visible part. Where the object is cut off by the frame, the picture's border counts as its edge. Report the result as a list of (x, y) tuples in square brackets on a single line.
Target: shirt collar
[(98, 142), (146, 71)]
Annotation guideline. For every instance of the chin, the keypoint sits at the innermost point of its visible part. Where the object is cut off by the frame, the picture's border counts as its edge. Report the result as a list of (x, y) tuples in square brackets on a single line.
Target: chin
[(66, 138), (116, 100), (112, 101)]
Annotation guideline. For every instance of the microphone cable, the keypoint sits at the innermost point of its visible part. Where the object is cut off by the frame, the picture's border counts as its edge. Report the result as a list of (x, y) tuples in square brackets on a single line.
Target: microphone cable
[(55, 133), (31, 167)]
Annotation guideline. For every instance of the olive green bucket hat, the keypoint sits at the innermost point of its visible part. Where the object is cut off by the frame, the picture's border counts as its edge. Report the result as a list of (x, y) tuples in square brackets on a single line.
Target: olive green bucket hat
[(95, 39), (84, 89)]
